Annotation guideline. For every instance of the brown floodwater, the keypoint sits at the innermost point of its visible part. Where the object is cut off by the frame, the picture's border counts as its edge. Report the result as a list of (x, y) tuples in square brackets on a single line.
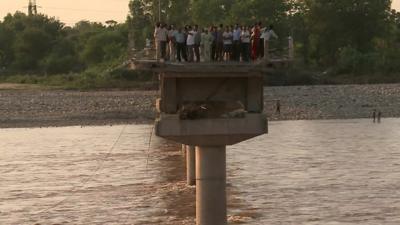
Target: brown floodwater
[(303, 172)]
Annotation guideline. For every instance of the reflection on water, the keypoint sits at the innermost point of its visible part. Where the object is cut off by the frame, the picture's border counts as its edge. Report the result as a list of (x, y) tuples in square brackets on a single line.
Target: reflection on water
[(303, 172)]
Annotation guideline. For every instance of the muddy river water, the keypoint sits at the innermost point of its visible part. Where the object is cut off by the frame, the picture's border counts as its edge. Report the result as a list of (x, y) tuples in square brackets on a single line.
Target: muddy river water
[(304, 172)]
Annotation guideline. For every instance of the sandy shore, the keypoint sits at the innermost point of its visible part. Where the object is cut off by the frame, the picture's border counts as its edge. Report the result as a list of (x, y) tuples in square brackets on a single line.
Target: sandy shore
[(41, 108)]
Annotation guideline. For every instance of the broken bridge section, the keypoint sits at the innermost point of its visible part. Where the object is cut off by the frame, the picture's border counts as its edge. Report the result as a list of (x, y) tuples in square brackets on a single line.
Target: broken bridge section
[(210, 106)]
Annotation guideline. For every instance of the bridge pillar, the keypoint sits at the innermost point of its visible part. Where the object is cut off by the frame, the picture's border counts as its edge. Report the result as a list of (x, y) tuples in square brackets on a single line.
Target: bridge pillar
[(209, 106), (210, 185), (190, 165), (183, 149)]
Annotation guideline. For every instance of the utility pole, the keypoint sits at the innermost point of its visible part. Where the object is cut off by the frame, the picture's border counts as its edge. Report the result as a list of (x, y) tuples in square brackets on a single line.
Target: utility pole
[(159, 10), (34, 7), (30, 7)]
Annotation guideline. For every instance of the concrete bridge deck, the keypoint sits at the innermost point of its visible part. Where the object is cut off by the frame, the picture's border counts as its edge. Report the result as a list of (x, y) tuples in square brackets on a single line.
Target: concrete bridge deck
[(208, 67)]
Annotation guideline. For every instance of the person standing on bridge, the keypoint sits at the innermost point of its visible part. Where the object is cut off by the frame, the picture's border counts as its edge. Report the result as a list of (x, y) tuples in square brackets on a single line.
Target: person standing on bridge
[(245, 42), (172, 43), (220, 44), (227, 35), (213, 32), (190, 44), (255, 37), (197, 42), (203, 34), (160, 36), (180, 45), (237, 31), (206, 42), (267, 35), (157, 43)]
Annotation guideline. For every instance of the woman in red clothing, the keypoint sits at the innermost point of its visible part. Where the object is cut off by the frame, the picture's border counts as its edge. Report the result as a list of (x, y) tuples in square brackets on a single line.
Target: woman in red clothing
[(255, 36)]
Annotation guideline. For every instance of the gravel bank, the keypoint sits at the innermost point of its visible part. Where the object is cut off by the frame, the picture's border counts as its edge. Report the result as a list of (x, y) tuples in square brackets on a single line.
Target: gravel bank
[(40, 108)]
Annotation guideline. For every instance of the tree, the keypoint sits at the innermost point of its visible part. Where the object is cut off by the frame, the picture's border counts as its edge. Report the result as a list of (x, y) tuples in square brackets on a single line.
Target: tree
[(107, 45), (139, 21), (208, 12), (339, 23)]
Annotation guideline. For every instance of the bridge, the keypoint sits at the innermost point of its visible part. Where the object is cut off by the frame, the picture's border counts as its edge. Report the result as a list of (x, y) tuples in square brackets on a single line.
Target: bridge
[(205, 107)]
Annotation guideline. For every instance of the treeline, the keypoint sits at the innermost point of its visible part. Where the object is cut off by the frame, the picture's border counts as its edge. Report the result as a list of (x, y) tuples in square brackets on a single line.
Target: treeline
[(346, 36), (349, 37), (38, 44)]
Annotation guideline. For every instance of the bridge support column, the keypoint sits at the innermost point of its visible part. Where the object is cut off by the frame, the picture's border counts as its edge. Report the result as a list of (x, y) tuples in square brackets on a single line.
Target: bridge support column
[(211, 185), (183, 149), (190, 165)]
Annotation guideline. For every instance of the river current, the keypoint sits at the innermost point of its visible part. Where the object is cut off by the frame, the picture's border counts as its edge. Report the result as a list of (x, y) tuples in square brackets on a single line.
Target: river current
[(303, 172)]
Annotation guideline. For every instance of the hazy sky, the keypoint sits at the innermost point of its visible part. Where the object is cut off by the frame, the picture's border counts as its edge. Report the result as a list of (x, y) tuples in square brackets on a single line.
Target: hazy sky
[(71, 11)]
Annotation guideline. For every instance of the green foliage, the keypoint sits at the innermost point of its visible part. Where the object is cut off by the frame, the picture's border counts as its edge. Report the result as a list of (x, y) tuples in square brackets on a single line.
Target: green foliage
[(39, 44), (349, 37), (103, 46), (339, 23)]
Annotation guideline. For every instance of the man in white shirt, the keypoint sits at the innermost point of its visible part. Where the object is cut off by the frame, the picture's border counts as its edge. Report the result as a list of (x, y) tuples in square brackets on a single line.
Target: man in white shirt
[(156, 41), (267, 35), (190, 44), (172, 43), (160, 35)]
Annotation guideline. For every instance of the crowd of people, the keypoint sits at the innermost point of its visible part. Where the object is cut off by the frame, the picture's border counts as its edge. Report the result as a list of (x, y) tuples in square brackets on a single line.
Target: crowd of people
[(217, 43)]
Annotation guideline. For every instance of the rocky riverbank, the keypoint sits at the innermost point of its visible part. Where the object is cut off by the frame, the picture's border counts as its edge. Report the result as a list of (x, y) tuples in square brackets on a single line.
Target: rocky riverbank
[(41, 108)]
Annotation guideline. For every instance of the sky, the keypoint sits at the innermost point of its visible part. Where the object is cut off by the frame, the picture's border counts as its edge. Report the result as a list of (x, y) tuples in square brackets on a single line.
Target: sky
[(72, 11)]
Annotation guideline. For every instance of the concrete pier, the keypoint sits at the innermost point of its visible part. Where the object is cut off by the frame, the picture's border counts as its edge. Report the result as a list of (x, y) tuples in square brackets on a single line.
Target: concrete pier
[(210, 105), (190, 165), (211, 185), (183, 149)]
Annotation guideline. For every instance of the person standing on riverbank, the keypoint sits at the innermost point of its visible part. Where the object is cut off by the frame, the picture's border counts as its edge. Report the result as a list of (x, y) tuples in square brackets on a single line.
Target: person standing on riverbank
[(278, 107), (379, 116), (374, 115)]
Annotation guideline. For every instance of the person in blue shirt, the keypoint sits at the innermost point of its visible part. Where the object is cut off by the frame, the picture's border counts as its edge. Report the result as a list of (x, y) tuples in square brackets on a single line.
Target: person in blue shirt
[(236, 43), (180, 45)]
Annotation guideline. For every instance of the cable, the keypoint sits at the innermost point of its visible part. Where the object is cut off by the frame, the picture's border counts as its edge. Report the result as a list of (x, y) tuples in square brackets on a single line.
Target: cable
[(148, 149), (85, 10), (83, 183)]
